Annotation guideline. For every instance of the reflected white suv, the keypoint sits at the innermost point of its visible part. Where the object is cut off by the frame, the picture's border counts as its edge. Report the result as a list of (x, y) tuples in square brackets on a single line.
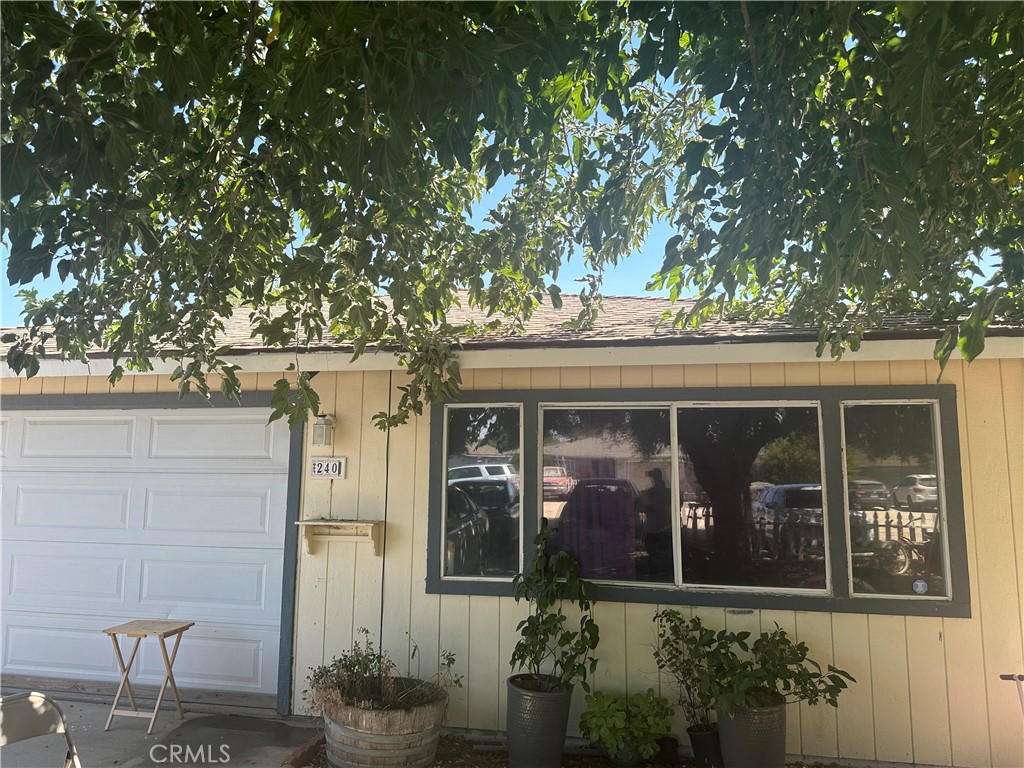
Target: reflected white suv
[(488, 471), (916, 492)]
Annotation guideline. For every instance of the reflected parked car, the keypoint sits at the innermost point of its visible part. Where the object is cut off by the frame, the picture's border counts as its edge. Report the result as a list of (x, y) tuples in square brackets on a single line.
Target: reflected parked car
[(599, 527), (490, 471), (792, 514), (791, 502), (558, 483), (869, 494), (466, 531), (499, 499), (916, 492)]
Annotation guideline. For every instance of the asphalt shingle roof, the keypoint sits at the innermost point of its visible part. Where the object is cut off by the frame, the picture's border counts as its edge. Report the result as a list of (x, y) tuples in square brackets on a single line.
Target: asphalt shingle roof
[(623, 321)]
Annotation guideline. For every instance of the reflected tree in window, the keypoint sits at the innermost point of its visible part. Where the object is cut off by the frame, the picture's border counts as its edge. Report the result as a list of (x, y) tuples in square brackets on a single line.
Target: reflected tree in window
[(495, 427), (722, 446)]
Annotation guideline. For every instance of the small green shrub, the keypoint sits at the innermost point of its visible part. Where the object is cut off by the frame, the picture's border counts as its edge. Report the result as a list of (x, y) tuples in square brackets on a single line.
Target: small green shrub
[(682, 653), (773, 668), (617, 721), (550, 650), (364, 677)]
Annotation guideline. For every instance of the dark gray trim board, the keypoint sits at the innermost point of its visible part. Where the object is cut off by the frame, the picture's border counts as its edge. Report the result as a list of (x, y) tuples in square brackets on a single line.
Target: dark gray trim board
[(286, 655), (956, 605)]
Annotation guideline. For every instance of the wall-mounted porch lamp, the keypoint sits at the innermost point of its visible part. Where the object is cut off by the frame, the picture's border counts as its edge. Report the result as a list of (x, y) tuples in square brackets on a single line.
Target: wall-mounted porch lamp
[(323, 429)]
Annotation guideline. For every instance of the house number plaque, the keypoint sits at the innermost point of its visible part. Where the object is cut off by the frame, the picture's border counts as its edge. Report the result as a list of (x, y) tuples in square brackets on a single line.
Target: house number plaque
[(327, 467)]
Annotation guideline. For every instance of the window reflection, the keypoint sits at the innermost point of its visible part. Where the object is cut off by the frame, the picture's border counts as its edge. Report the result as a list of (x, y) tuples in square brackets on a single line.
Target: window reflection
[(752, 509), (606, 488), (482, 521), (893, 493)]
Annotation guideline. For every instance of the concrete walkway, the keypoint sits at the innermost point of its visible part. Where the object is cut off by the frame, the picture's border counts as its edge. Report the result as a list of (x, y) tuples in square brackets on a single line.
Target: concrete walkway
[(199, 740)]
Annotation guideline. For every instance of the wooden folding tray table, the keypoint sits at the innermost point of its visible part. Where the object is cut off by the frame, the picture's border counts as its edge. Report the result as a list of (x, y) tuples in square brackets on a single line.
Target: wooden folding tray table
[(140, 628)]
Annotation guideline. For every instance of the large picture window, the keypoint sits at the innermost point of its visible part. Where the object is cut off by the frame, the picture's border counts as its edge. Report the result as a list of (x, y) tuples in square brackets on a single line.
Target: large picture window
[(798, 498)]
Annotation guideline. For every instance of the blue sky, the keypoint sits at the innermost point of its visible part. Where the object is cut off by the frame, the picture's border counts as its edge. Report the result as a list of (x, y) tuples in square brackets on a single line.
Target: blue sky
[(628, 278)]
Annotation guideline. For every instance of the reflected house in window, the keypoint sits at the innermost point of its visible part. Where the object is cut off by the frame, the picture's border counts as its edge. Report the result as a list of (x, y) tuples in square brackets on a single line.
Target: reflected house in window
[(618, 460)]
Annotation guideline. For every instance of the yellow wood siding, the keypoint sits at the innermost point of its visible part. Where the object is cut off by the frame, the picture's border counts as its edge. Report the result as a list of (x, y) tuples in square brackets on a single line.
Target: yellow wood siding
[(928, 688), (81, 385)]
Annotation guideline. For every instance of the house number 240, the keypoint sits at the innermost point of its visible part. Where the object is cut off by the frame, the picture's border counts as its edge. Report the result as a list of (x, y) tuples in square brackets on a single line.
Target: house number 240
[(327, 467)]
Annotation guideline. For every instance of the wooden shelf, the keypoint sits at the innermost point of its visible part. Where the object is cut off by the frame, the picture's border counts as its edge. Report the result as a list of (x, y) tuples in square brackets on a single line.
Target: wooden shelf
[(341, 530)]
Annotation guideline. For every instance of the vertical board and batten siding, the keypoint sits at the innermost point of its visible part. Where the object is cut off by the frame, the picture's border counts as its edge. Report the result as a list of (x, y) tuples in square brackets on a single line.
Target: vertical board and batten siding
[(928, 689)]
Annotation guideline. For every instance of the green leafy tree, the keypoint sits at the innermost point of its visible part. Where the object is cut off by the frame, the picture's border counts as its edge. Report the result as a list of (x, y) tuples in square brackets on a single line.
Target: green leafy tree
[(794, 458), (314, 167)]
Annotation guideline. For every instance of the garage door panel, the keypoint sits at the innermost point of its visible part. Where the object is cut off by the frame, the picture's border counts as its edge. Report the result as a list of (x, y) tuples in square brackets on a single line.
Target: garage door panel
[(144, 581), (227, 510), (230, 507), (211, 656), (97, 506), (5, 431), (204, 584), (160, 440), (245, 659), (58, 647), (93, 437), (61, 572), (222, 439)]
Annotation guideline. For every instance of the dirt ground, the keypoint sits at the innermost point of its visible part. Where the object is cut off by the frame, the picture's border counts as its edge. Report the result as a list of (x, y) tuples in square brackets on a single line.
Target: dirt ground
[(459, 752)]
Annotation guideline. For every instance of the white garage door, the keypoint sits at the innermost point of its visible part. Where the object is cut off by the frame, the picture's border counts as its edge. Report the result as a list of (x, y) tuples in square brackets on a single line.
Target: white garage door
[(115, 515)]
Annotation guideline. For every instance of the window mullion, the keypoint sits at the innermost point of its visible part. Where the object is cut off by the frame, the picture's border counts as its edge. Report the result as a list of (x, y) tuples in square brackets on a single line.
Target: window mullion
[(677, 534), (532, 501), (835, 501)]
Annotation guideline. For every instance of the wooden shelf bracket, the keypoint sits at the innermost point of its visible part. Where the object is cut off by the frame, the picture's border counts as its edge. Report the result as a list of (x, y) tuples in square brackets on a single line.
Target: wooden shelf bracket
[(354, 531)]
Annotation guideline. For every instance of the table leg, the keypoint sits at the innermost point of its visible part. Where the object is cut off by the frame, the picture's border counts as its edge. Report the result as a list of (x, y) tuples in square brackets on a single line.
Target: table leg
[(168, 678), (125, 671)]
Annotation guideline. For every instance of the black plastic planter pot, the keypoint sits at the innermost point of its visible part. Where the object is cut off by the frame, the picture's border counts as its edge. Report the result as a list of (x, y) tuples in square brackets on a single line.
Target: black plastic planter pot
[(754, 738), (707, 749), (536, 723)]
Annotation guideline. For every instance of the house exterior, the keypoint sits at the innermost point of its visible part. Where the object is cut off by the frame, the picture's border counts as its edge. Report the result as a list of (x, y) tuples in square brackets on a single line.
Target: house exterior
[(135, 505)]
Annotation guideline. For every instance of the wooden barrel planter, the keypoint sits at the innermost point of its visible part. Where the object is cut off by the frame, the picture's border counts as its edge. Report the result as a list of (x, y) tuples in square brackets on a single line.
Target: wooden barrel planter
[(391, 738)]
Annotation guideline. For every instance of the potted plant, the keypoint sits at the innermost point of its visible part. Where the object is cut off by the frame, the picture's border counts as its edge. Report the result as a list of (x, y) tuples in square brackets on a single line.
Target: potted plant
[(554, 655), (682, 653), (751, 693), (628, 727), (374, 717)]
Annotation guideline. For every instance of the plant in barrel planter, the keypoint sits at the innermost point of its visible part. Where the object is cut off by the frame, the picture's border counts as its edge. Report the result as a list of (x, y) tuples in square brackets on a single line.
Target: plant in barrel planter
[(628, 727), (372, 716), (751, 693), (554, 655), (682, 653)]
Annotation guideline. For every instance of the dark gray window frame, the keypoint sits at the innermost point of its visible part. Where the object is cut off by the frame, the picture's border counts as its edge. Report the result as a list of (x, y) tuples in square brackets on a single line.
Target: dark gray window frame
[(293, 493), (831, 402)]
